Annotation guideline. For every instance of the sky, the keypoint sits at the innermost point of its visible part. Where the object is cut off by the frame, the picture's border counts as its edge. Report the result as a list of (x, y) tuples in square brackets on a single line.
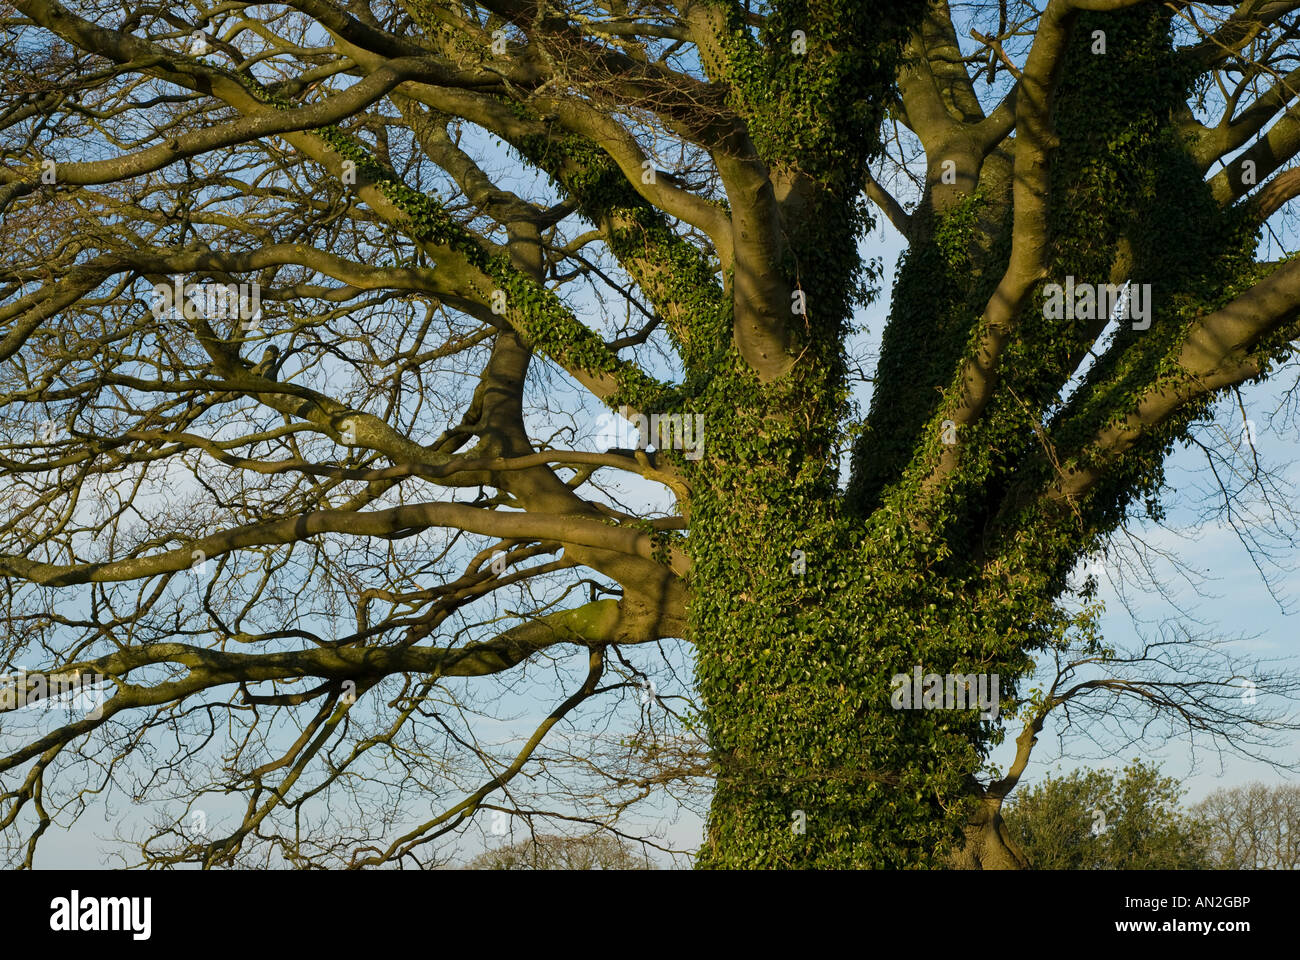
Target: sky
[(1227, 598), (1231, 600)]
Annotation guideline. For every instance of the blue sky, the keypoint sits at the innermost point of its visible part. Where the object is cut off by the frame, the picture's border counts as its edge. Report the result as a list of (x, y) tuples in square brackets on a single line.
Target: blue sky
[(1230, 600)]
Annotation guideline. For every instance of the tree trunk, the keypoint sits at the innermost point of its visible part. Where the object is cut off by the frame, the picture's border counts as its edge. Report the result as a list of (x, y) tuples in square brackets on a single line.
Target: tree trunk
[(988, 844), (801, 616)]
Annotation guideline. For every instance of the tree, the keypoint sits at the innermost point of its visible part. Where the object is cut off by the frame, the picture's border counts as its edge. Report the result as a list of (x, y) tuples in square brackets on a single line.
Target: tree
[(305, 574), (1254, 827), (1097, 820), (592, 852)]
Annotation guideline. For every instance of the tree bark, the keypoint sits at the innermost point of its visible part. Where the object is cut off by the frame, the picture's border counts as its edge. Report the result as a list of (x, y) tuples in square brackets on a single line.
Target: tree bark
[(988, 844)]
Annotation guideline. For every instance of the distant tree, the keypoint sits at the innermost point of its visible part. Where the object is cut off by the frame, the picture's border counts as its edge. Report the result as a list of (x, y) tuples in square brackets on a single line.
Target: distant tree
[(1094, 820), (543, 852), (1254, 827)]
